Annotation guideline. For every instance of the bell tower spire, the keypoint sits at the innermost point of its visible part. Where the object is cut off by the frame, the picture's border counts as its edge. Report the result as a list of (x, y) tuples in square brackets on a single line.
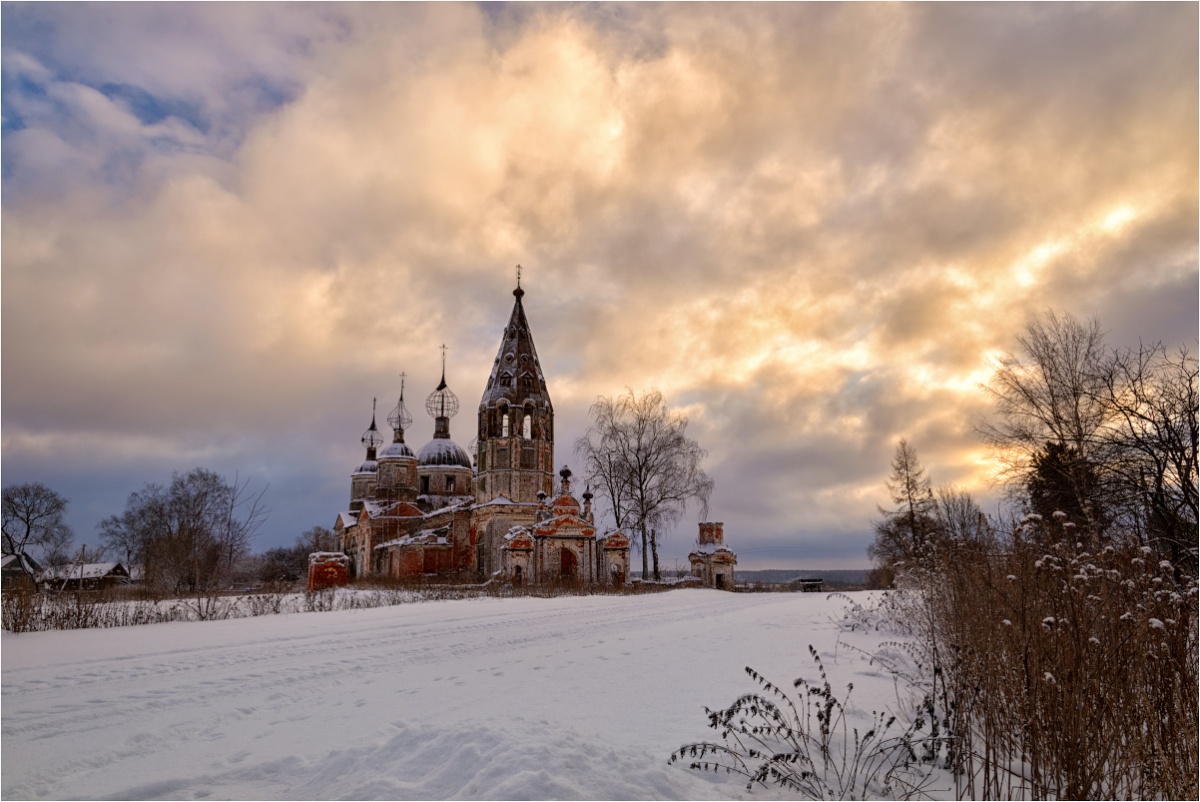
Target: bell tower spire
[(516, 418)]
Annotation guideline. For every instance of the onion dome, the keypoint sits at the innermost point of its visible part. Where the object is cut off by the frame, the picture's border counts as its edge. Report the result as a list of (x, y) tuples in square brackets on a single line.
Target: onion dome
[(395, 450), (443, 451)]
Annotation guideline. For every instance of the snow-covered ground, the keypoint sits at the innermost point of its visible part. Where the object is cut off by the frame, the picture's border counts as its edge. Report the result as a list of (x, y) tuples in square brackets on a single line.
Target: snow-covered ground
[(525, 698)]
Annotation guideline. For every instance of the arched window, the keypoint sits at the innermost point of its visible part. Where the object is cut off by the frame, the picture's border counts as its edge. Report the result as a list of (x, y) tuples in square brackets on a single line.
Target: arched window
[(504, 425), (527, 427)]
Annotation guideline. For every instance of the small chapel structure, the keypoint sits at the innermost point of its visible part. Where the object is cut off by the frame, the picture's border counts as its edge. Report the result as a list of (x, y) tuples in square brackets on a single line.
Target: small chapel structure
[(712, 561), (501, 513)]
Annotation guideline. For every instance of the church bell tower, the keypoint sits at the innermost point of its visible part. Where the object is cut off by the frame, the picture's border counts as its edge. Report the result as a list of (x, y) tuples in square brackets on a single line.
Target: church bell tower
[(515, 456)]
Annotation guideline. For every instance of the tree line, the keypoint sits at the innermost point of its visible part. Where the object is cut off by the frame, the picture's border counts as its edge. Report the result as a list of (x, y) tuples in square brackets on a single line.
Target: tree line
[(1058, 642), (1105, 437)]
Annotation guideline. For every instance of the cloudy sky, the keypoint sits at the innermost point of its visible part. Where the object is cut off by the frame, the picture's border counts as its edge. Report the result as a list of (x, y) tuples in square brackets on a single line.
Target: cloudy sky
[(814, 227)]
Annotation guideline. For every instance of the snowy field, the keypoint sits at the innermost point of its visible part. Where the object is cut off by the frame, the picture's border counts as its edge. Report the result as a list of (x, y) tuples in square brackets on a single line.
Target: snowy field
[(526, 698)]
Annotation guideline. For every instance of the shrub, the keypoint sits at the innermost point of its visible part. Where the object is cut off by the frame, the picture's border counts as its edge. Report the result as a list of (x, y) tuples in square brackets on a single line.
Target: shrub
[(809, 745)]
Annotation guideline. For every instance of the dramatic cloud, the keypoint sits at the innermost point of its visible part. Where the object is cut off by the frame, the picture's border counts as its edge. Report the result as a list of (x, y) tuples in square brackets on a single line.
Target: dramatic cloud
[(226, 228)]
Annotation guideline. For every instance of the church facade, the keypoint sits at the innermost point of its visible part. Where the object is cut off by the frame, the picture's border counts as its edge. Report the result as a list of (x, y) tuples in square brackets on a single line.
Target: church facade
[(500, 513)]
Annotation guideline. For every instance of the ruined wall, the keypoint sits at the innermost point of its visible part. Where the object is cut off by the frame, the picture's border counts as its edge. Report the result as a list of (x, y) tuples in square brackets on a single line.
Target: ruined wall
[(327, 570), (712, 533)]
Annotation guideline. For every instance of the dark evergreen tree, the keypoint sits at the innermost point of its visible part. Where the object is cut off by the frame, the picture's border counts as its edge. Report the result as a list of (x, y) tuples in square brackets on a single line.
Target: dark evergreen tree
[(903, 532)]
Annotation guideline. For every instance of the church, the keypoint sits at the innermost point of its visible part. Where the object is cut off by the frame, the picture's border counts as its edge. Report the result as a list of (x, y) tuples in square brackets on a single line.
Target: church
[(497, 513)]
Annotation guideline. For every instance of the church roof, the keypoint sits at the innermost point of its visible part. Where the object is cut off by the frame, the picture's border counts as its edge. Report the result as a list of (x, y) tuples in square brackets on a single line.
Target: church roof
[(395, 450), (442, 451), (516, 374)]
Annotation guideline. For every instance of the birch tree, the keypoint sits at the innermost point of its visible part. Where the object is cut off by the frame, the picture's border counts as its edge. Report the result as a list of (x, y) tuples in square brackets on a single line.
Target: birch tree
[(638, 455)]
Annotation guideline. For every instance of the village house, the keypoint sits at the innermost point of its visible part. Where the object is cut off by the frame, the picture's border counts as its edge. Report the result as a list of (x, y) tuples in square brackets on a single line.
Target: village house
[(84, 576), (20, 571)]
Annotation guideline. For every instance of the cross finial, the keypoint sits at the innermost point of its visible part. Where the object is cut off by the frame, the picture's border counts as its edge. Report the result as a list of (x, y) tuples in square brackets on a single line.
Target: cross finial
[(518, 276), (402, 376), (443, 360)]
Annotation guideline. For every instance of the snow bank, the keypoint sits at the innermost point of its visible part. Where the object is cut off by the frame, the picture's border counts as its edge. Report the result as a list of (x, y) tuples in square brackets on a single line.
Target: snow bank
[(565, 698)]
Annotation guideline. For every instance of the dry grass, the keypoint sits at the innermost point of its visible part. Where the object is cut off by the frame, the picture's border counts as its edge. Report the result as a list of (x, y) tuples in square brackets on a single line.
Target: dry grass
[(1059, 670), (24, 611)]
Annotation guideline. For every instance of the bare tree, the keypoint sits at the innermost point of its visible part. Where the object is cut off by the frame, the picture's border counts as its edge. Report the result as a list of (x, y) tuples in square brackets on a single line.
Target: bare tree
[(646, 467), (1153, 433), (959, 517), (1052, 392), (1107, 437), (33, 517), (189, 535), (317, 538)]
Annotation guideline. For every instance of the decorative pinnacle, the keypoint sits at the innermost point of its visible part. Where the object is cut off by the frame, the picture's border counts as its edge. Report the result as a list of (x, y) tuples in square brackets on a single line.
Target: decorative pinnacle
[(518, 291)]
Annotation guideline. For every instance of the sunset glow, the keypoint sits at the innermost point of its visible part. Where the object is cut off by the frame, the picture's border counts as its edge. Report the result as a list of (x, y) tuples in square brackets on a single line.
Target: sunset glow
[(228, 227)]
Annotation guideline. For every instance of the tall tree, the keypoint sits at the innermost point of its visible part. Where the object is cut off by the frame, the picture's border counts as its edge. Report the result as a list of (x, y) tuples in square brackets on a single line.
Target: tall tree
[(1053, 391), (34, 518), (902, 533), (646, 467), (1153, 431)]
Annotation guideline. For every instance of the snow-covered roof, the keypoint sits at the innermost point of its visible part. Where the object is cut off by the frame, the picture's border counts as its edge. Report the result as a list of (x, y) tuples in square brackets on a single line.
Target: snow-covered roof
[(499, 500), (348, 519), (19, 562), (710, 548), (327, 556), (395, 451), (443, 451), (85, 571), (560, 526), (369, 466), (443, 504), (426, 537), (401, 509)]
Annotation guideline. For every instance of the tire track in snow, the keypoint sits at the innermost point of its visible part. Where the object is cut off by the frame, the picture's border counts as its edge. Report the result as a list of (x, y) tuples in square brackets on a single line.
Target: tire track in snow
[(205, 691), (122, 688)]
